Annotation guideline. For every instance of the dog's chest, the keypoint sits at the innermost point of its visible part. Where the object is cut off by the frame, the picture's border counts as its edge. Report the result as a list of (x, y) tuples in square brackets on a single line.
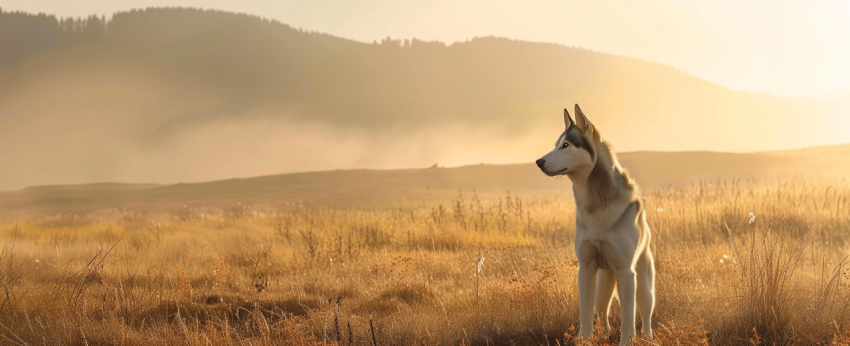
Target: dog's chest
[(600, 241), (603, 223), (594, 226)]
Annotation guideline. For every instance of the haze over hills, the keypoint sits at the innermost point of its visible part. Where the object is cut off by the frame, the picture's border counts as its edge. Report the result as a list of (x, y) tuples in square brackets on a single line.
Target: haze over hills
[(169, 95), (433, 185)]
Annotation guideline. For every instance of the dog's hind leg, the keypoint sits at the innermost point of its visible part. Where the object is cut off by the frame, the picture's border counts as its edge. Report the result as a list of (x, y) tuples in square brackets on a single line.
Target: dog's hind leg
[(605, 283), (645, 269)]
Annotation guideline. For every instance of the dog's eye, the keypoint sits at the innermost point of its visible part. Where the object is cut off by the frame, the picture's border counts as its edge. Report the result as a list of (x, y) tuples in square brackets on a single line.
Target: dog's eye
[(566, 144)]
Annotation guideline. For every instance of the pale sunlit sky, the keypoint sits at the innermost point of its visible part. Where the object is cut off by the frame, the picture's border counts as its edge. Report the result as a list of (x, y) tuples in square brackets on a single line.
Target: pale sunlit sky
[(779, 46)]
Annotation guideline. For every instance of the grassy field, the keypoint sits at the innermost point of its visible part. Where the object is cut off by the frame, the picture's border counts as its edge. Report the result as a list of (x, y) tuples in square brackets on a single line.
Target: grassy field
[(739, 262)]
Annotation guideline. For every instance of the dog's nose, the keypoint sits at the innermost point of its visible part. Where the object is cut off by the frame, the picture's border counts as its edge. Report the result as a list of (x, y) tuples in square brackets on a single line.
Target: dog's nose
[(540, 163)]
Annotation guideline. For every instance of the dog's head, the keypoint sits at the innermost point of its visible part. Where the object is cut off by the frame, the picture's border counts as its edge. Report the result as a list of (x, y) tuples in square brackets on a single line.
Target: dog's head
[(575, 149)]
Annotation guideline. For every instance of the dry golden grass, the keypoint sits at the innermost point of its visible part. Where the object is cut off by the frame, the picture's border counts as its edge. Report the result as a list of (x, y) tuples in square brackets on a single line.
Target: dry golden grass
[(249, 275)]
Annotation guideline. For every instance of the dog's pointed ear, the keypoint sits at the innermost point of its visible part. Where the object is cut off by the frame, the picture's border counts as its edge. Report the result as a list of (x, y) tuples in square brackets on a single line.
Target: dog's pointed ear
[(568, 120), (582, 122)]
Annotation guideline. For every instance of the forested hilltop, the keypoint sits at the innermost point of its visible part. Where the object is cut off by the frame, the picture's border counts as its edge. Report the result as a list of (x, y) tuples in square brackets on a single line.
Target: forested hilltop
[(156, 87)]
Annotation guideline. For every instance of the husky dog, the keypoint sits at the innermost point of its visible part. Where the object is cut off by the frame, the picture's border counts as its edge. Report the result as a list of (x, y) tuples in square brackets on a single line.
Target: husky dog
[(612, 236)]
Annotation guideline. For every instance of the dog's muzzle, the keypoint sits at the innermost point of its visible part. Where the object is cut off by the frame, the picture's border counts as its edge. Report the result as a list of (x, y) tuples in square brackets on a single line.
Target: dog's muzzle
[(540, 163)]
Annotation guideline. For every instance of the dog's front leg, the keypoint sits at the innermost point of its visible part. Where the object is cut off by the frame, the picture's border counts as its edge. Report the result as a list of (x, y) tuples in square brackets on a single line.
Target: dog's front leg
[(586, 296), (626, 289)]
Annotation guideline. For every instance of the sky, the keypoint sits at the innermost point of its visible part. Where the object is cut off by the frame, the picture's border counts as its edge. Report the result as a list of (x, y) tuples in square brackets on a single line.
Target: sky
[(785, 47)]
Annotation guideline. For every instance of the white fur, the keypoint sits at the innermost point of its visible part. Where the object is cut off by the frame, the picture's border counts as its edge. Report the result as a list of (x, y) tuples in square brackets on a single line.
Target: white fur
[(612, 236)]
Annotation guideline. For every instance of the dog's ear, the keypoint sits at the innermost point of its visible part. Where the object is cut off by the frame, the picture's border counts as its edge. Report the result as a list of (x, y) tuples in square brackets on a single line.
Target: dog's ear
[(583, 124), (568, 120)]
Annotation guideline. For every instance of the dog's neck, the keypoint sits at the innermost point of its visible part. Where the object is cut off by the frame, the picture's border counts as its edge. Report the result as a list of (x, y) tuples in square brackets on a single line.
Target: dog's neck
[(606, 181)]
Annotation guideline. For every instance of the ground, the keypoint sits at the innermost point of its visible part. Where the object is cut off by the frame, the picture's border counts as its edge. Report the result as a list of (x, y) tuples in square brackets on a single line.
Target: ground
[(738, 263)]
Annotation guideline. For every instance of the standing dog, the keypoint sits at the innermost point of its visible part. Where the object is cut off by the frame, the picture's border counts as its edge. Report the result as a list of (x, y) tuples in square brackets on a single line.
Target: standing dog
[(612, 236)]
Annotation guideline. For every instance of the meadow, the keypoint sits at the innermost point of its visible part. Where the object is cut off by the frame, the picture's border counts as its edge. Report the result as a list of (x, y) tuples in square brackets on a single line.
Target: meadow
[(739, 263)]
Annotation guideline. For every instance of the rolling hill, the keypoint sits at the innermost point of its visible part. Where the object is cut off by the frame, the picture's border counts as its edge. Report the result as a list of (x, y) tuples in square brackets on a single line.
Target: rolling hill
[(175, 94), (381, 188)]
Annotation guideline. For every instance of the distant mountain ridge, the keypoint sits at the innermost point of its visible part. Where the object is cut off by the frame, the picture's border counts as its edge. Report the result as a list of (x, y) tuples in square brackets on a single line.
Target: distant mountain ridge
[(175, 94), (382, 188)]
